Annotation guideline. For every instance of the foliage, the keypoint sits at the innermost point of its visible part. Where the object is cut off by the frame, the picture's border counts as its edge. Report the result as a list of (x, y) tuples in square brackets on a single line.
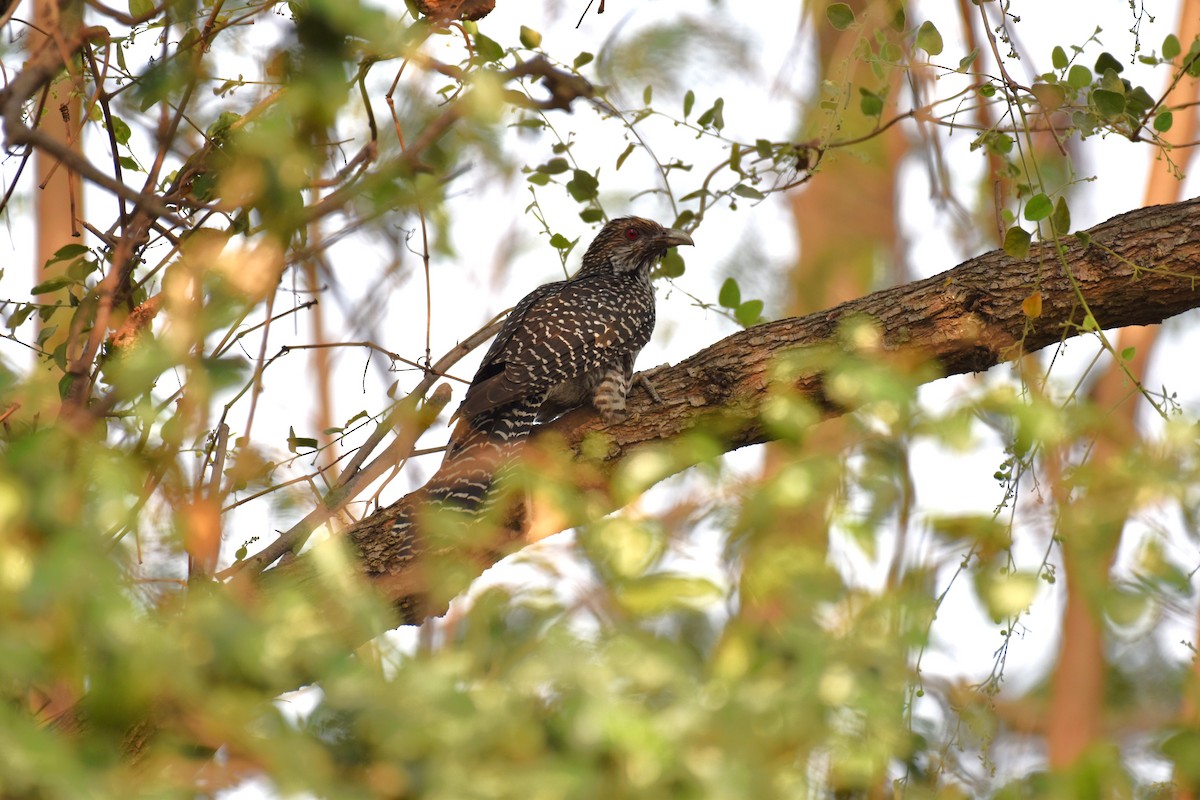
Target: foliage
[(166, 662)]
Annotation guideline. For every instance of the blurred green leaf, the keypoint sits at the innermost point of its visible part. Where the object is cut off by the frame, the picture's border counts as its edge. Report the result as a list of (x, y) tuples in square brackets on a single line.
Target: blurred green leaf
[(51, 285), (624, 155), (488, 49), (672, 264), (929, 38), (840, 15), (869, 103), (583, 186), (1170, 47), (530, 38), (1060, 220), (749, 313), (663, 592), (730, 295), (748, 191), (67, 252)]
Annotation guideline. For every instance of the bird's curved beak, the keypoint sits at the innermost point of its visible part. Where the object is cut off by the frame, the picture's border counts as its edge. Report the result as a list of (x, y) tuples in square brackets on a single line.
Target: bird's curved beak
[(672, 237)]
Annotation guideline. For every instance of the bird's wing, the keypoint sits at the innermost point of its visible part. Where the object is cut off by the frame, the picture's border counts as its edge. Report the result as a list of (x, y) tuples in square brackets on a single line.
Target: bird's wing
[(561, 334)]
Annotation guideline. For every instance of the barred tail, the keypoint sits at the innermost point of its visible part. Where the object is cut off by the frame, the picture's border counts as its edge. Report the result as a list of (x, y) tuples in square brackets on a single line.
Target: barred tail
[(477, 456)]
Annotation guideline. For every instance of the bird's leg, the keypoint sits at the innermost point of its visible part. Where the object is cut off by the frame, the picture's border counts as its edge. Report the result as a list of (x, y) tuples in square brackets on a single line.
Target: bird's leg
[(609, 397)]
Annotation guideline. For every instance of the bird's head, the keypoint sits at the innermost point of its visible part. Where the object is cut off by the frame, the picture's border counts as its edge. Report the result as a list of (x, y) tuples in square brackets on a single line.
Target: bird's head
[(630, 244)]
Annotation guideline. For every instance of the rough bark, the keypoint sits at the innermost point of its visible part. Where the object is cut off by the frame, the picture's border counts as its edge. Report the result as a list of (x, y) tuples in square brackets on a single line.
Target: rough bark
[(1139, 268)]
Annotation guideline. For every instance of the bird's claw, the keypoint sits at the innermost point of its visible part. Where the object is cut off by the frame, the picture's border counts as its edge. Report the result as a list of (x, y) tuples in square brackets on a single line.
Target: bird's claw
[(643, 378)]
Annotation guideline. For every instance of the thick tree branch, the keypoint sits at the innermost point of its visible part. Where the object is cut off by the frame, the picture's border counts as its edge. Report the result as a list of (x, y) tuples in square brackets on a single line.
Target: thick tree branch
[(1136, 269)]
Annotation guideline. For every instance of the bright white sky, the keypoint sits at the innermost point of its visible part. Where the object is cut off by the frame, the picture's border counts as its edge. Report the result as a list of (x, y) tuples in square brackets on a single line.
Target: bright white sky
[(467, 289)]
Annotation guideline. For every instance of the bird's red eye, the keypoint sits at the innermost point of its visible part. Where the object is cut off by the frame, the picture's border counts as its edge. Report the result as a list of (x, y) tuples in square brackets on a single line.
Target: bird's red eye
[(632, 233)]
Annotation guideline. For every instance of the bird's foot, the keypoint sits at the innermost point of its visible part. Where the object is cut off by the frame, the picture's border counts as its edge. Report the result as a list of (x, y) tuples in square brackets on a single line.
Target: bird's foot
[(643, 378)]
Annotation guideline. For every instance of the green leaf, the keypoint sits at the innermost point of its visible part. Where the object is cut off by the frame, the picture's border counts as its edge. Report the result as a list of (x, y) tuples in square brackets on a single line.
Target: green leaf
[(1128, 353), (80, 268), (1061, 218), (1058, 57), (530, 38), (1170, 47), (1016, 242), (539, 179), (749, 192), (1162, 122), (840, 15), (18, 317), (870, 103), (120, 130), (583, 186), (1138, 101), (735, 159), (296, 442), (560, 242), (715, 116), (730, 295), (929, 39), (621, 158), (749, 313), (583, 58), (1038, 208), (591, 215), (51, 285), (554, 166), (141, 8), (672, 264), (129, 164), (966, 61), (660, 592), (1050, 96), (1108, 61), (1193, 63), (1108, 104), (689, 100), (1079, 76), (1000, 144), (67, 251), (647, 94), (488, 49)]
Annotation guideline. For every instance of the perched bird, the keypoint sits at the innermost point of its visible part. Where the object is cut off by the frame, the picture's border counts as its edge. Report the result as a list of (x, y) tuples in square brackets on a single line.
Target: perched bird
[(565, 344), (576, 340)]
